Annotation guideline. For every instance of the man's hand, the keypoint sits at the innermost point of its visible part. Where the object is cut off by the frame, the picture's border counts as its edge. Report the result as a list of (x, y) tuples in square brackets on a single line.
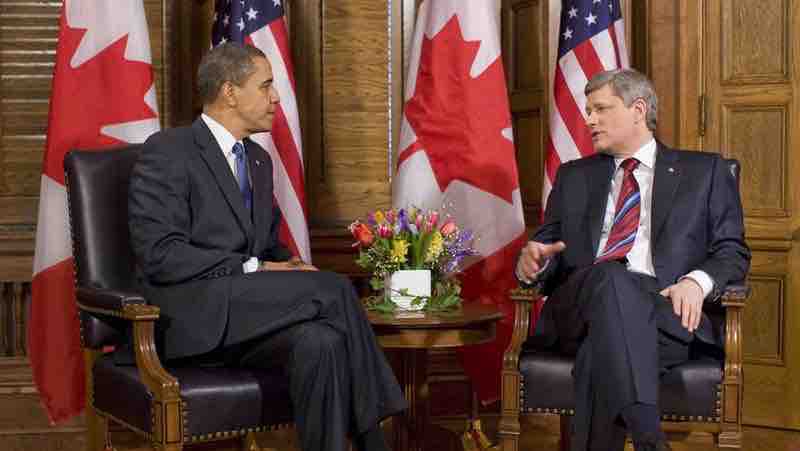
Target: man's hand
[(293, 264), (687, 302), (533, 257)]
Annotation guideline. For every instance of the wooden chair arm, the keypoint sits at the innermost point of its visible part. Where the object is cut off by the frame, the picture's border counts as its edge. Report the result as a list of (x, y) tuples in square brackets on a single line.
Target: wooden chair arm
[(166, 405), (735, 294), (733, 299), (509, 426)]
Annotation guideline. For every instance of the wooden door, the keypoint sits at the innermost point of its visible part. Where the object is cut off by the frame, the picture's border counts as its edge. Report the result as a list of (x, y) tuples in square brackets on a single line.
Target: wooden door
[(750, 83)]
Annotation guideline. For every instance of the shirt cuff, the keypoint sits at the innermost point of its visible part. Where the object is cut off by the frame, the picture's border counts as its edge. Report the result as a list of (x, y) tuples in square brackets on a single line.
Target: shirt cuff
[(250, 265), (703, 279)]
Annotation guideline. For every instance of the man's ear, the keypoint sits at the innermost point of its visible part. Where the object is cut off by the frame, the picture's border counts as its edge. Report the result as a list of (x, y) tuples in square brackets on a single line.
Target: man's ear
[(640, 106), (227, 92)]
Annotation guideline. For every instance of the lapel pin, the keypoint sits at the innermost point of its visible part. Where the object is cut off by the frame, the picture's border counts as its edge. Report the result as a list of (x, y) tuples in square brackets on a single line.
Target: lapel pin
[(258, 162), (670, 170)]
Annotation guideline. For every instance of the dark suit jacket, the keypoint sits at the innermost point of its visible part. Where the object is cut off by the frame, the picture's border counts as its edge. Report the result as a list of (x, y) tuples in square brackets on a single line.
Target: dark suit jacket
[(697, 219), (191, 231)]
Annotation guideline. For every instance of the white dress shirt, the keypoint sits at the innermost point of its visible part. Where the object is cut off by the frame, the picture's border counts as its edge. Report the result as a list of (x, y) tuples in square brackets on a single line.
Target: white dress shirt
[(226, 141), (640, 257)]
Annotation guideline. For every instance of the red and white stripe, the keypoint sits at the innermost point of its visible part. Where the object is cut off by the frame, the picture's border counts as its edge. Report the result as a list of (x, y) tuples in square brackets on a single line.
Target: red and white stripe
[(284, 143), (569, 138)]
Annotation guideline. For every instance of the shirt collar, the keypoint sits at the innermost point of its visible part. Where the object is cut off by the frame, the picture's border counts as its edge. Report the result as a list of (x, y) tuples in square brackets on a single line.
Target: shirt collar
[(224, 138), (646, 155)]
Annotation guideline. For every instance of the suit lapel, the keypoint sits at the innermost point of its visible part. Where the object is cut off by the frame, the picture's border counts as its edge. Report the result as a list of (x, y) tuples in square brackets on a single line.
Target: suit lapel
[(212, 155), (665, 183), (261, 178), (603, 171)]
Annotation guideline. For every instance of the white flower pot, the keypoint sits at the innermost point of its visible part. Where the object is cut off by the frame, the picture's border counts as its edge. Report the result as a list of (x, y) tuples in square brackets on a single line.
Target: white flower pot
[(417, 282)]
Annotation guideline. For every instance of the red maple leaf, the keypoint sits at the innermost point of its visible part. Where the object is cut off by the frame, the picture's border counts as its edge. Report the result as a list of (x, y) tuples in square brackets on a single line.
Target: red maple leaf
[(105, 90), (458, 119)]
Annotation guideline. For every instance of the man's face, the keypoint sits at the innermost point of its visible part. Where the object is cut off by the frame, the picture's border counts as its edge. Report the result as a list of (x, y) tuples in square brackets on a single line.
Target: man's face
[(256, 99), (615, 128)]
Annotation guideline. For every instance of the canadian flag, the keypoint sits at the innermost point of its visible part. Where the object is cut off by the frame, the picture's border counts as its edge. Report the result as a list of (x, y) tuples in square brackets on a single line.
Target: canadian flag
[(457, 153), (103, 96)]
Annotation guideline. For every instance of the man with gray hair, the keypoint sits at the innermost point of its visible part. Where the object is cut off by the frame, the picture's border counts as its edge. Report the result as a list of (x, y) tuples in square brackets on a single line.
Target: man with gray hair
[(204, 229), (634, 239)]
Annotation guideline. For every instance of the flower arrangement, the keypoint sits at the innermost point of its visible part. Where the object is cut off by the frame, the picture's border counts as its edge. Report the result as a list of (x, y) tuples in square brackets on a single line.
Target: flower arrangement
[(412, 238)]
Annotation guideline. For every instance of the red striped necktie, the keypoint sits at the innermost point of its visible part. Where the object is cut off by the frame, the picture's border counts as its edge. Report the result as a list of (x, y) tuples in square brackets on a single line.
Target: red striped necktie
[(626, 216)]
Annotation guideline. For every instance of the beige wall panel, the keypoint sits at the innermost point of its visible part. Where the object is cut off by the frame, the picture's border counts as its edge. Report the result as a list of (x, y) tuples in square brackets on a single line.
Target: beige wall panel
[(754, 40), (352, 162), (757, 136), (353, 200)]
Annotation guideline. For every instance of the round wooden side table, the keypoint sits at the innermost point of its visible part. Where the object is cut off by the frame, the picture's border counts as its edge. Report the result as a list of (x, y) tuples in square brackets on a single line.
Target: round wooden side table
[(413, 333)]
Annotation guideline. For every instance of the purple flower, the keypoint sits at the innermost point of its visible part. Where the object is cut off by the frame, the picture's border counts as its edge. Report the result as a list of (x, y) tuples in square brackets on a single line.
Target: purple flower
[(402, 219)]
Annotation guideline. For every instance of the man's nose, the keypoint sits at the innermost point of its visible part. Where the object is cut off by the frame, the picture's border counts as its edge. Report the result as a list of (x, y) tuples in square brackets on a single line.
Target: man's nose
[(591, 120), (274, 97)]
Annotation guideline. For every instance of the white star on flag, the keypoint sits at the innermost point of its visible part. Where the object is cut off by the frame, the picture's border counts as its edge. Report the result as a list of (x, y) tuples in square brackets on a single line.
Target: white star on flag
[(568, 34), (591, 19), (573, 13), (251, 14)]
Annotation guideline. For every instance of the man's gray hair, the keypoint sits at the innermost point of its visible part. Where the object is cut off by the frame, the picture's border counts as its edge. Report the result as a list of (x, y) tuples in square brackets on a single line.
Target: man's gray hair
[(629, 85), (230, 61)]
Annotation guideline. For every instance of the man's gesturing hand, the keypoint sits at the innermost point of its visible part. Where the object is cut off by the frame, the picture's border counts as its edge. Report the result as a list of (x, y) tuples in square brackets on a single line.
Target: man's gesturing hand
[(687, 302), (533, 257)]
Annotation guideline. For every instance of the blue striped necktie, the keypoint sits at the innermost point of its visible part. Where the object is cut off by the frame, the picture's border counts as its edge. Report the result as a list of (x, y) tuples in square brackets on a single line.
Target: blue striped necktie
[(626, 216), (241, 173)]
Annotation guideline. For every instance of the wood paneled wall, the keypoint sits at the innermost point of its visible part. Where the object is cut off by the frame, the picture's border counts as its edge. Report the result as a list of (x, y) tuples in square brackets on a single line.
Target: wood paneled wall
[(729, 74)]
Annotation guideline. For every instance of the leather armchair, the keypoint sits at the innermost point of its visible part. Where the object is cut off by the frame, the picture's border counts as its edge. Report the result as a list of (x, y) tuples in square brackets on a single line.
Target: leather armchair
[(701, 395), (171, 406)]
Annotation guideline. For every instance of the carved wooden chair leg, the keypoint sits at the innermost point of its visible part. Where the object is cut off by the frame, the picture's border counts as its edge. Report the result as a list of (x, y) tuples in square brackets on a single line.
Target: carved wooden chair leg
[(249, 442), (96, 425), (97, 428), (565, 428)]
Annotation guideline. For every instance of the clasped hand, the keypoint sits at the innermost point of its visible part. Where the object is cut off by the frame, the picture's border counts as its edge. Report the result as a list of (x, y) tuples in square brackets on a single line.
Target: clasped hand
[(533, 257)]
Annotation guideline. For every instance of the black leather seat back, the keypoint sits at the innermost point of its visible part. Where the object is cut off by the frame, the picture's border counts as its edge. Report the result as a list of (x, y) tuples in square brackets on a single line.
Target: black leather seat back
[(97, 188), (97, 193)]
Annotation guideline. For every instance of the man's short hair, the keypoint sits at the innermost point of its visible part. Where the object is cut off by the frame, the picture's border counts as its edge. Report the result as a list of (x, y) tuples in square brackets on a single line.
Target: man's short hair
[(629, 85), (230, 61)]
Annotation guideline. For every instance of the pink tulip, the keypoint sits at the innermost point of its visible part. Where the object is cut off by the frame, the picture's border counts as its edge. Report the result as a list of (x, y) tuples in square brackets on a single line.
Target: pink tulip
[(448, 228)]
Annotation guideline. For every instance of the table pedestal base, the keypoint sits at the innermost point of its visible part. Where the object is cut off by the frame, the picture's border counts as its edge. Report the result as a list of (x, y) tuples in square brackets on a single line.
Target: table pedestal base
[(412, 374)]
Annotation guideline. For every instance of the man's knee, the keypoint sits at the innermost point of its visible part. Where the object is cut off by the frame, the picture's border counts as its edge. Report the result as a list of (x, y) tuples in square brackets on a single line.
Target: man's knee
[(318, 341)]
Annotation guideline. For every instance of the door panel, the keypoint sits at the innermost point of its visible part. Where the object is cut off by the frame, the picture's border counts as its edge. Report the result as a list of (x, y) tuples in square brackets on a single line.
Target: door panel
[(751, 87)]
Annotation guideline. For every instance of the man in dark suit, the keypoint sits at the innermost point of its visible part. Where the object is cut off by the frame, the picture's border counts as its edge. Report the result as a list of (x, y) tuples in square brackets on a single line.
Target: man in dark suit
[(634, 239), (205, 233)]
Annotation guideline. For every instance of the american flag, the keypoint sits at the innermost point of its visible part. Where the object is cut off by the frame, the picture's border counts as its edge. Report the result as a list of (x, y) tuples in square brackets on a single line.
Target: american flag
[(591, 39), (261, 23)]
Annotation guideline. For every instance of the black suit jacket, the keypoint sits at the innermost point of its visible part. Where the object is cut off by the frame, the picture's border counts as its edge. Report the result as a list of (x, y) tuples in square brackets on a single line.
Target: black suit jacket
[(191, 231), (697, 220)]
